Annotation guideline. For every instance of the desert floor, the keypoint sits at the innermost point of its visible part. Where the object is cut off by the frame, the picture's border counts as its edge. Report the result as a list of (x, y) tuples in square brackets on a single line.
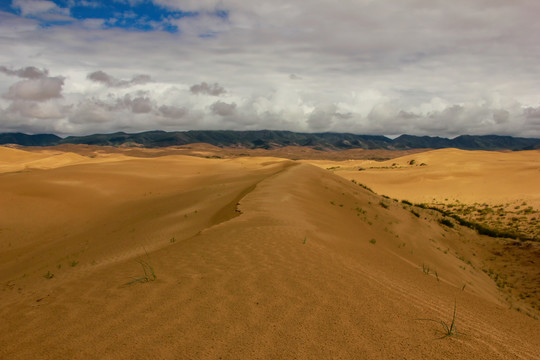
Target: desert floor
[(151, 254)]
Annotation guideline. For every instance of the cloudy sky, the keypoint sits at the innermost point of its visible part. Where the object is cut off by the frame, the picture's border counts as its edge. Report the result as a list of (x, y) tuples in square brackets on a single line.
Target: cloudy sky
[(421, 67)]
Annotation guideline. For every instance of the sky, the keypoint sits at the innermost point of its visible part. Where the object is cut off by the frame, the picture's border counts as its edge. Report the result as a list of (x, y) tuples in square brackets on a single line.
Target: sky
[(419, 67)]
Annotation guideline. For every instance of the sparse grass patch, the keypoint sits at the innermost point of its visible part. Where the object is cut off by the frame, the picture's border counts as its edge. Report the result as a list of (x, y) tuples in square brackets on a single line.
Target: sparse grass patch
[(447, 222), (73, 263), (366, 187), (373, 241), (449, 330), (383, 204), (48, 275), (148, 269)]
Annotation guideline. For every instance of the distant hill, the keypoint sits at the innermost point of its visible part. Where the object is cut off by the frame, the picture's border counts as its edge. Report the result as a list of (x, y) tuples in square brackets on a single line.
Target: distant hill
[(268, 139), (29, 140)]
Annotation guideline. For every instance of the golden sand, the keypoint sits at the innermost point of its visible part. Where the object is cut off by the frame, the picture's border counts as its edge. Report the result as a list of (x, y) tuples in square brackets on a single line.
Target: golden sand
[(254, 258)]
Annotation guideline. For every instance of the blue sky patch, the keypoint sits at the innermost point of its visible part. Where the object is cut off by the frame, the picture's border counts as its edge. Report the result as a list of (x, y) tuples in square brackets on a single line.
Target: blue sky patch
[(141, 16)]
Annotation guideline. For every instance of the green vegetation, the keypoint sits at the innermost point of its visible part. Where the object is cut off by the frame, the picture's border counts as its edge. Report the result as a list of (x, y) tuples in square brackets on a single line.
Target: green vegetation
[(449, 330), (480, 228), (362, 185), (447, 222), (373, 241), (148, 269), (48, 275)]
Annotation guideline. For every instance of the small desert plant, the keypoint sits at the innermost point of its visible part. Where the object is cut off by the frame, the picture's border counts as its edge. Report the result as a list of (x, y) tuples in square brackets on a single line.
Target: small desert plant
[(73, 263), (305, 238), (447, 222), (407, 202), (373, 241), (48, 275), (449, 330), (148, 269), (384, 205), (366, 187), (172, 240)]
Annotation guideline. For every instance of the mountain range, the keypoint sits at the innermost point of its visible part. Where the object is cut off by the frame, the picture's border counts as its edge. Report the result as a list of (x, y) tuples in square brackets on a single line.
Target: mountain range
[(269, 139)]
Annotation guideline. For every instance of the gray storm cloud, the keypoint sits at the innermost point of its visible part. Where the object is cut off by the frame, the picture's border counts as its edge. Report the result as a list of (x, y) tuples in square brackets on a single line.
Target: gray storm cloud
[(204, 88), (39, 89), (141, 105), (173, 112), (37, 110), (322, 118), (223, 109), (29, 72), (108, 80)]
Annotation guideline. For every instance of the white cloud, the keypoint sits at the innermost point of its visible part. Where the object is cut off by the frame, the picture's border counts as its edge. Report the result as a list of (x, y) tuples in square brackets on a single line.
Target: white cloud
[(34, 7), (387, 67)]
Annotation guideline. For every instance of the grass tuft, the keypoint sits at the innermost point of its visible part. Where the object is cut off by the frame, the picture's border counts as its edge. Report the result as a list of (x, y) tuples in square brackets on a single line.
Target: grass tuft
[(148, 269), (449, 330), (447, 223)]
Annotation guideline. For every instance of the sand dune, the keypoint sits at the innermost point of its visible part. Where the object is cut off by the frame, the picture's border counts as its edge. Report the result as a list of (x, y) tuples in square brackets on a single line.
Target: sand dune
[(255, 258), (13, 160), (451, 174)]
